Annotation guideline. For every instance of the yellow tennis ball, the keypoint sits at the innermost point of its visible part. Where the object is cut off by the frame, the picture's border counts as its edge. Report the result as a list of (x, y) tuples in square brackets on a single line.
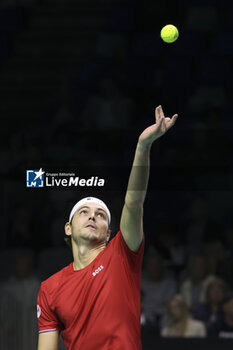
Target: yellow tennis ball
[(169, 33)]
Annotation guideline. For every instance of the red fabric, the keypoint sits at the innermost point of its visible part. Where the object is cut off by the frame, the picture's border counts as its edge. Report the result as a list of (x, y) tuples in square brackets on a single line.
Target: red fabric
[(98, 307)]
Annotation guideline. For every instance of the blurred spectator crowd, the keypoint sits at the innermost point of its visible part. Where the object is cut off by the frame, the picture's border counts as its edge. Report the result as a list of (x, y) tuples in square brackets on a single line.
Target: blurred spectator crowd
[(77, 92)]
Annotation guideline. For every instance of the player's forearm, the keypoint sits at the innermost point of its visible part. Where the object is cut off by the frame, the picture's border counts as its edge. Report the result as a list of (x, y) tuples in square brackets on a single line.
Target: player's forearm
[(139, 176)]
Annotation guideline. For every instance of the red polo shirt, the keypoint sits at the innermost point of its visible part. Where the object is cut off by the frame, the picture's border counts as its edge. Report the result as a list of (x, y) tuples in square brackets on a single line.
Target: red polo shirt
[(97, 307)]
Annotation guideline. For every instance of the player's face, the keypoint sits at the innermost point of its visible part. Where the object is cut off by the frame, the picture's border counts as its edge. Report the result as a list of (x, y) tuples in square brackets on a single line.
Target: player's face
[(90, 222)]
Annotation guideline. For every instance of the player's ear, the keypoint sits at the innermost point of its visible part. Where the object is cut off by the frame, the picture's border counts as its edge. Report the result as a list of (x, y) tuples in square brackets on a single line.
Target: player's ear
[(68, 229)]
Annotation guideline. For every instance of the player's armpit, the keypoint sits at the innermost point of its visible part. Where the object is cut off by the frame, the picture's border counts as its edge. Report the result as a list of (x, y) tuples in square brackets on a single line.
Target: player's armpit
[(48, 340)]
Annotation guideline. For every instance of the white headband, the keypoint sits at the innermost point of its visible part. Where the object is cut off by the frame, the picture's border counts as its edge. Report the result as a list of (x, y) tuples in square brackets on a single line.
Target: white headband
[(90, 200)]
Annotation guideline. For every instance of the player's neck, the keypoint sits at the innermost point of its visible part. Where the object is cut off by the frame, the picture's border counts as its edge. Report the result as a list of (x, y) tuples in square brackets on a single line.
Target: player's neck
[(84, 255)]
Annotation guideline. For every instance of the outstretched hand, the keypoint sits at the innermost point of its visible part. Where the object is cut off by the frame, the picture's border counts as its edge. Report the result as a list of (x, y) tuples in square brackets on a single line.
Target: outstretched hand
[(162, 125)]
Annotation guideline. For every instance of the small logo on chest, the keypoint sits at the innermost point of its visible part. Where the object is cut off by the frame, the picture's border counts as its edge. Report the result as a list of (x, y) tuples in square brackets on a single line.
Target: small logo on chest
[(100, 268)]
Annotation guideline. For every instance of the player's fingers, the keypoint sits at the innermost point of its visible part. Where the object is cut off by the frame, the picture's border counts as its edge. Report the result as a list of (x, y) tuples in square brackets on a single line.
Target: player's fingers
[(160, 122), (161, 111), (163, 124), (173, 120), (157, 114)]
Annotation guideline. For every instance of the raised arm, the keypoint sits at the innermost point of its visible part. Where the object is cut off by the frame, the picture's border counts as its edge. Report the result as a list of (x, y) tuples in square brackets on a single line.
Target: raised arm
[(132, 214)]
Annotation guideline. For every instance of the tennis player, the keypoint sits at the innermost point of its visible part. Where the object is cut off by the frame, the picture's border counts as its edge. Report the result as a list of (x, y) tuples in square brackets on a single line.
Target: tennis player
[(95, 301)]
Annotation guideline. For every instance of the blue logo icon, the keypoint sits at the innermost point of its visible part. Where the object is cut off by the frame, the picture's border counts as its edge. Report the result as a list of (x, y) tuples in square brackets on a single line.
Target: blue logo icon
[(35, 178)]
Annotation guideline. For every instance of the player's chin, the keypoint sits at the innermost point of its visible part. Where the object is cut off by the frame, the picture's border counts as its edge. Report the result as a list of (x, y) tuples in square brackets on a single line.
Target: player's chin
[(91, 234)]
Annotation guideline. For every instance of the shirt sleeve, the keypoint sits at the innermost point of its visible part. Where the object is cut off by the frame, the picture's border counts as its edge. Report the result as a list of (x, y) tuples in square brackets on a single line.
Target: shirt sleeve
[(132, 259), (47, 320)]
